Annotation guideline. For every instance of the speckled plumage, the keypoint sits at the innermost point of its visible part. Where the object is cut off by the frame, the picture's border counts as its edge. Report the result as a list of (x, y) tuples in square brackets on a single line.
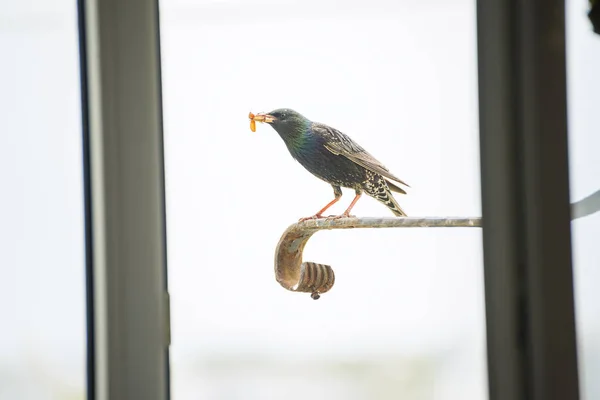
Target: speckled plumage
[(336, 159)]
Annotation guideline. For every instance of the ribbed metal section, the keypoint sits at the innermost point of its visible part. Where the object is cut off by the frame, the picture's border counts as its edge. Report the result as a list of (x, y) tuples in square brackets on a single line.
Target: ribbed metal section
[(315, 278)]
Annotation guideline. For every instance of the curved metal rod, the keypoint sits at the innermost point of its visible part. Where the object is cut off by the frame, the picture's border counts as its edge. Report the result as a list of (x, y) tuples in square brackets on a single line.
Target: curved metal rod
[(298, 276), (586, 206)]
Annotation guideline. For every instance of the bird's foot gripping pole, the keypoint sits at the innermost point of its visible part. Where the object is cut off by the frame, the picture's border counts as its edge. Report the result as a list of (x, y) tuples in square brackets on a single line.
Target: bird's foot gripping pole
[(319, 215), (302, 276), (346, 213)]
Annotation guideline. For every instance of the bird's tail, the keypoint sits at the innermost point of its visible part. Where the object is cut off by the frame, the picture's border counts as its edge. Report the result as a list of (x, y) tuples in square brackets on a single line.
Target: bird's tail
[(395, 188), (391, 203)]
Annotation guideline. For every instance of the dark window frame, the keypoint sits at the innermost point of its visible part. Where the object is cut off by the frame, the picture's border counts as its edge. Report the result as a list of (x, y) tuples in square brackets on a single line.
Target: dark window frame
[(127, 298), (525, 200)]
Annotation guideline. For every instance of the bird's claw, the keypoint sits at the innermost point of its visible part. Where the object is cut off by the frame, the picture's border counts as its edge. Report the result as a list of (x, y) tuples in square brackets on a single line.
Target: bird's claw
[(316, 216), (332, 217), (327, 218)]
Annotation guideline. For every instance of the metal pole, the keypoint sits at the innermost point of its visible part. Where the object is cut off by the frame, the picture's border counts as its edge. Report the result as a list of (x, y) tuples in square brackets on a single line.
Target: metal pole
[(300, 276)]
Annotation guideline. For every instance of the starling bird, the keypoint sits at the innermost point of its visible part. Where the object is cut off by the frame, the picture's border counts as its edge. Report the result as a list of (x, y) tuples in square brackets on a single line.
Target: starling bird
[(334, 158)]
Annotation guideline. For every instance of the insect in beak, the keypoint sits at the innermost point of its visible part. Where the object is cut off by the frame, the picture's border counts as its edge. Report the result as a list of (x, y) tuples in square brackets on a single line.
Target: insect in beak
[(252, 122), (260, 118)]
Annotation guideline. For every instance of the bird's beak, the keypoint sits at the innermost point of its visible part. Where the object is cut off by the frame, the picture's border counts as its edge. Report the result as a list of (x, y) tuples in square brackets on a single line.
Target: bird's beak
[(264, 118)]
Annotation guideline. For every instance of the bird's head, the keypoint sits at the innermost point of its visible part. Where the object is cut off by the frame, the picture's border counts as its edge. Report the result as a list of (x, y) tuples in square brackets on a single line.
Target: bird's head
[(285, 121)]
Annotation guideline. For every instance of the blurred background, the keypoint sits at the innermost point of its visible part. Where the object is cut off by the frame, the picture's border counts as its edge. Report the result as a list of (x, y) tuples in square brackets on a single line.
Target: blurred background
[(42, 270), (406, 316)]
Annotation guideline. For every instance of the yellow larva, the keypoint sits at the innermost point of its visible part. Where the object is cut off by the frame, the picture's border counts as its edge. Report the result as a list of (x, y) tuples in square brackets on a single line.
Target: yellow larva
[(252, 122)]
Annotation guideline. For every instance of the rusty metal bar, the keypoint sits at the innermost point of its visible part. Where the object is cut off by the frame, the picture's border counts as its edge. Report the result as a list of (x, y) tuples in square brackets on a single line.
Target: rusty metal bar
[(303, 276), (300, 276)]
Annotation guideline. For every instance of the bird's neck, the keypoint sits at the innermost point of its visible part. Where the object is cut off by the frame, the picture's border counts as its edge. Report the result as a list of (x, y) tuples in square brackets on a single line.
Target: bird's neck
[(297, 140)]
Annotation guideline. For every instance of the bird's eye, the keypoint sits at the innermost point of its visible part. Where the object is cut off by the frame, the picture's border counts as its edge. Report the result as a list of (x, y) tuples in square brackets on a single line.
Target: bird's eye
[(282, 116)]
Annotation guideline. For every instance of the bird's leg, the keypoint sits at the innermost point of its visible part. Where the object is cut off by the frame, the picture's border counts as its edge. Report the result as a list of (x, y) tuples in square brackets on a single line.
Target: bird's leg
[(337, 192), (346, 213)]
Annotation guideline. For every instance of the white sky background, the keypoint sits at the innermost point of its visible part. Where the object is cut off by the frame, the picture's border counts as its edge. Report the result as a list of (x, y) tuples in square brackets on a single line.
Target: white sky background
[(402, 82), (398, 78)]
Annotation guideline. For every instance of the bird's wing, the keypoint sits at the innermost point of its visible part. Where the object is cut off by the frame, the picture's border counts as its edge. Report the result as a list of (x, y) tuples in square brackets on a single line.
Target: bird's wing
[(340, 144)]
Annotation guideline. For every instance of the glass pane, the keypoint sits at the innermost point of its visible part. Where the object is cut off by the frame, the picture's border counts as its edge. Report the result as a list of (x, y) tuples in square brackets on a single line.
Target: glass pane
[(405, 318), (583, 64), (42, 301)]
